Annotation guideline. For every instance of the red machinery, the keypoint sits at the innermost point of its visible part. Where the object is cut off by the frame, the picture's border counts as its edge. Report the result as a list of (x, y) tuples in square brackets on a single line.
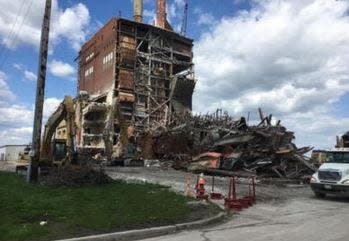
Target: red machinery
[(237, 204), (200, 188), (215, 195)]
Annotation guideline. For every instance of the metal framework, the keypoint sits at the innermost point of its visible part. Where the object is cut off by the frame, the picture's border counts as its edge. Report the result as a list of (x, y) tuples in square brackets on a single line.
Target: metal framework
[(156, 66), (153, 79)]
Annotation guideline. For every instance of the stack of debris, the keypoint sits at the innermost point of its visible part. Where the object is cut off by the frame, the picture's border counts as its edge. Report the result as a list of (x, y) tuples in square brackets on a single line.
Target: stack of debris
[(219, 144), (75, 176), (343, 141)]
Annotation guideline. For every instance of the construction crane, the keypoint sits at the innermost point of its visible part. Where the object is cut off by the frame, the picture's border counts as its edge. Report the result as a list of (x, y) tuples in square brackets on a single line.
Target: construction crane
[(185, 19)]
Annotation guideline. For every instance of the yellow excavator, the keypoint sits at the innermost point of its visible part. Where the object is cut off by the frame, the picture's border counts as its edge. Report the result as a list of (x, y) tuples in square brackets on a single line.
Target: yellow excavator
[(54, 151), (59, 151)]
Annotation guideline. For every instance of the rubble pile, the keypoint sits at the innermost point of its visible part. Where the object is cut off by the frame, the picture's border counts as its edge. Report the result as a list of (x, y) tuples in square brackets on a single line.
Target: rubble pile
[(218, 143), (75, 176)]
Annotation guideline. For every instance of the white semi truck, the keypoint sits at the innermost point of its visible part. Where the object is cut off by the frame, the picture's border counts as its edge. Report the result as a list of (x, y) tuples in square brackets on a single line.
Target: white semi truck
[(332, 177)]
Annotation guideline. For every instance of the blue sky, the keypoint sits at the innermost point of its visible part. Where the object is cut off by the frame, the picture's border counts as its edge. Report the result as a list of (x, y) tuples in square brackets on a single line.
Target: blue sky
[(289, 57), (27, 55)]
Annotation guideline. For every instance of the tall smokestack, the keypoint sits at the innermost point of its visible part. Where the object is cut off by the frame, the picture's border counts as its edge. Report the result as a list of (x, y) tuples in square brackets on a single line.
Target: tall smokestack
[(161, 14), (138, 10)]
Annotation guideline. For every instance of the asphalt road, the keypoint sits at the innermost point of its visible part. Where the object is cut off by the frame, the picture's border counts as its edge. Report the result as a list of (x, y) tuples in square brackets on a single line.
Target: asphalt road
[(305, 219), (293, 214)]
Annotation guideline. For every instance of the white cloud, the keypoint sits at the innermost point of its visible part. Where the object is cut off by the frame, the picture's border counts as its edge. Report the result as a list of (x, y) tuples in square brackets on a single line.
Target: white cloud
[(172, 11), (30, 75), (20, 23), (179, 3), (289, 57), (206, 19), (61, 69), (19, 136), (50, 105), (16, 120), (13, 115), (5, 92), (149, 16), (27, 74), (175, 11), (18, 66), (71, 24)]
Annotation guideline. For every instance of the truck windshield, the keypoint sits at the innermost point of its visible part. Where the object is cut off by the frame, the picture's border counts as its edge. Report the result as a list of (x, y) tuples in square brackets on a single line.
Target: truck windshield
[(337, 157)]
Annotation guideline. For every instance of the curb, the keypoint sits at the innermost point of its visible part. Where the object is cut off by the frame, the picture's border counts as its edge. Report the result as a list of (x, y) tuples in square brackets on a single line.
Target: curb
[(150, 232)]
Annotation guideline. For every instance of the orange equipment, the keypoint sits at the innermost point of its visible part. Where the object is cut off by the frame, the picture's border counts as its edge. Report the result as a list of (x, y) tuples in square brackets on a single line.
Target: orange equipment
[(200, 188)]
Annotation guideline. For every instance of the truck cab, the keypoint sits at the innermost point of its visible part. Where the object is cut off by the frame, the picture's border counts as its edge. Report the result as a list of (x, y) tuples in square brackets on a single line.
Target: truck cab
[(332, 177)]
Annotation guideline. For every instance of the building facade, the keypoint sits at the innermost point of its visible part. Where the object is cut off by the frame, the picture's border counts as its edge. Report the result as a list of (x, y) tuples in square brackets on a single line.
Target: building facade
[(138, 75), (11, 153), (133, 78)]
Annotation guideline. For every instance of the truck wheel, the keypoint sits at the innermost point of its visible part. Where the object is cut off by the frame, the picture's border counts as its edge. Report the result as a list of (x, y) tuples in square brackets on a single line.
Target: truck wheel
[(320, 195)]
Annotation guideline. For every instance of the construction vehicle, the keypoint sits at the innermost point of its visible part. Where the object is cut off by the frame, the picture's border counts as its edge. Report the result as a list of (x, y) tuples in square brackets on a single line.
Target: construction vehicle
[(23, 156), (55, 151), (332, 177), (59, 150), (23, 160)]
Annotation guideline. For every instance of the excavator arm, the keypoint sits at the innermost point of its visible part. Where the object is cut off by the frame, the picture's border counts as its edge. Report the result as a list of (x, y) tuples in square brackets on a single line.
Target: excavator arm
[(66, 112)]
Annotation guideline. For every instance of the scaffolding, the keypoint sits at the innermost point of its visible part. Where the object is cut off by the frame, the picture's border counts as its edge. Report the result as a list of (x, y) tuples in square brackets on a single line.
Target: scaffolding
[(142, 75), (149, 62)]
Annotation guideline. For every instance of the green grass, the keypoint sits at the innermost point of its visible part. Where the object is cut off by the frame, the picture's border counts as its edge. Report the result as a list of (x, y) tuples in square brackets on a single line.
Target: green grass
[(82, 211)]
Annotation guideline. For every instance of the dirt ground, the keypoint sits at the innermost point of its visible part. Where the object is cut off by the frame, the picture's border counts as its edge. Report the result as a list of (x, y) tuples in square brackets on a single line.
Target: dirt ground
[(266, 193)]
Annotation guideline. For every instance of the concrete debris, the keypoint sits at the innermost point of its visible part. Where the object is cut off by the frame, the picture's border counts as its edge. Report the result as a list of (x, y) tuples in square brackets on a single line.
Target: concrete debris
[(75, 176), (152, 163), (205, 161), (218, 144)]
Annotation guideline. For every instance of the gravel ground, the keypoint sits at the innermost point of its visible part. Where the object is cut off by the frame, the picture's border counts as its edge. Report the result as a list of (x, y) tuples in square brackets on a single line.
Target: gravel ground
[(177, 181), (7, 167)]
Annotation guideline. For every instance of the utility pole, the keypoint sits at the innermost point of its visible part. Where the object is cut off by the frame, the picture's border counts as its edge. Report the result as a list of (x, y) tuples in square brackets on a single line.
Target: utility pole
[(32, 175)]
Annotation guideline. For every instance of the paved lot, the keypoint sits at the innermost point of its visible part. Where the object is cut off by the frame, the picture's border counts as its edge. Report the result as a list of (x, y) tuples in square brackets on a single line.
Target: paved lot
[(292, 214), (299, 219)]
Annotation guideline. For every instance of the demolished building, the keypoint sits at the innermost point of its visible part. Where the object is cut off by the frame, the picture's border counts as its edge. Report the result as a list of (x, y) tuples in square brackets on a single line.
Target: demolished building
[(135, 88), (132, 77)]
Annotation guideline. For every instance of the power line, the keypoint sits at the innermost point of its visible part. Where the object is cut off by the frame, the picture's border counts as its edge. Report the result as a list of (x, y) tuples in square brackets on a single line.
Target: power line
[(12, 28), (15, 34), (23, 20)]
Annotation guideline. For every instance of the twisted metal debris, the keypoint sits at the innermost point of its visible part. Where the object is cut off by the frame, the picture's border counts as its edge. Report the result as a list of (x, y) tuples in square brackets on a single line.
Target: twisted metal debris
[(264, 149)]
